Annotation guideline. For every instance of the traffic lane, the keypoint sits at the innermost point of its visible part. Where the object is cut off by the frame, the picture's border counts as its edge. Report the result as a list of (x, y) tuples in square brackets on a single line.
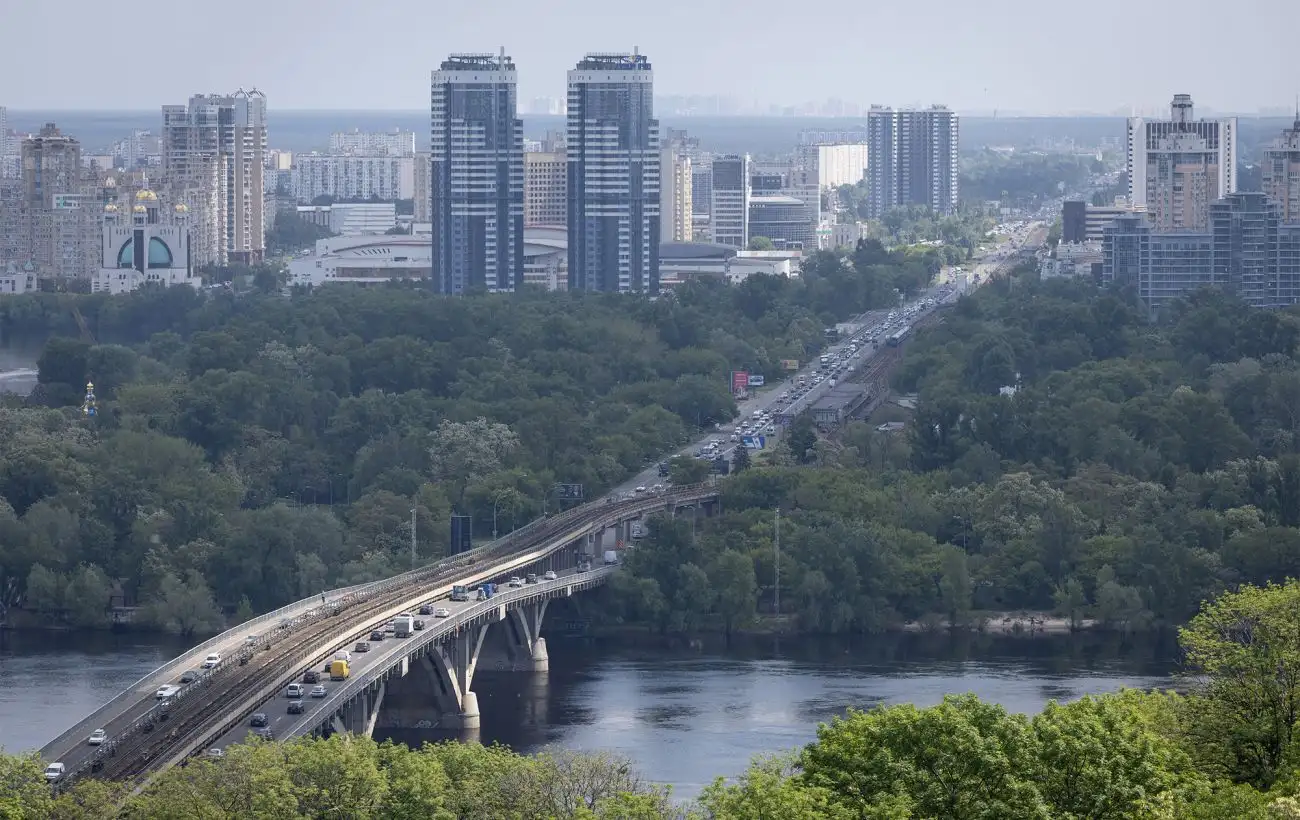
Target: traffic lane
[(385, 652), (79, 751)]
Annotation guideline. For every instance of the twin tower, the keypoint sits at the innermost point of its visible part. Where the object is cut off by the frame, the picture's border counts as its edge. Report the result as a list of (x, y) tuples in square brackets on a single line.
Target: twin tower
[(477, 170)]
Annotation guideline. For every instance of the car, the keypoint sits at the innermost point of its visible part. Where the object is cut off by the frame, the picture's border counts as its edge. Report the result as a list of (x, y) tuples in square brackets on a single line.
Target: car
[(391, 627), (550, 575), (442, 612), (296, 707), (532, 578), (311, 676), (190, 676), (377, 635), (97, 737), (212, 661), (318, 691), (362, 646), (293, 690), (167, 691), (259, 719), (250, 640), (265, 734), (426, 610), (516, 582), (54, 771), (216, 753), (640, 490), (418, 623)]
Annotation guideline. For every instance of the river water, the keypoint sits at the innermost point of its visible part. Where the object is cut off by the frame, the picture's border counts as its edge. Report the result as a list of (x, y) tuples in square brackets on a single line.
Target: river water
[(17, 370), (682, 715)]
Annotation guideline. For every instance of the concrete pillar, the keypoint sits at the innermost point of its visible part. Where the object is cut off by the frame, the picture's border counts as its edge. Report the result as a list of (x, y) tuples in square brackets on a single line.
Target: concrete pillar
[(374, 707), (541, 661), (469, 714)]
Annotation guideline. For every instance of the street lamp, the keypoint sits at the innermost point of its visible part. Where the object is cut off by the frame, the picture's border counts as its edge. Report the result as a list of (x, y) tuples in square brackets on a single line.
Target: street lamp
[(496, 502)]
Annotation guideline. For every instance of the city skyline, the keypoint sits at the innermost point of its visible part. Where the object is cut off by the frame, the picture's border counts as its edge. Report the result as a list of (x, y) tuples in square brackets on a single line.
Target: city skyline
[(1009, 57)]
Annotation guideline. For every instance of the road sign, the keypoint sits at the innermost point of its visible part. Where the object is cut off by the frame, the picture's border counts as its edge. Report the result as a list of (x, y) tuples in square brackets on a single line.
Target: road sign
[(754, 442), (790, 364), (757, 381), (569, 492), (739, 381)]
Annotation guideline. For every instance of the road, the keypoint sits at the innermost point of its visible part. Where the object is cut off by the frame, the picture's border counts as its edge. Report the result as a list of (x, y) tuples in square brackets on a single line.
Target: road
[(382, 653)]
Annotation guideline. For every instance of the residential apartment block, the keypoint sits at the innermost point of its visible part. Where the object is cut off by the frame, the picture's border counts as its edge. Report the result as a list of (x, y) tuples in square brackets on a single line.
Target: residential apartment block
[(349, 176), (676, 190), (545, 186), (1178, 167), (729, 209), (912, 159), (1281, 173), (395, 143)]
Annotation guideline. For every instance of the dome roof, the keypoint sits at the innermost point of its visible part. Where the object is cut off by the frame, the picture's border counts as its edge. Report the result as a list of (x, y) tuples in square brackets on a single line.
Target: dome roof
[(139, 209), (160, 256), (146, 196), (110, 208)]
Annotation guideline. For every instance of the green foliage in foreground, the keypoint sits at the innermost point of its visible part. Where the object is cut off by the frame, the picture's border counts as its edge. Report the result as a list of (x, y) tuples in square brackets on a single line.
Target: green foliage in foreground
[(1225, 751)]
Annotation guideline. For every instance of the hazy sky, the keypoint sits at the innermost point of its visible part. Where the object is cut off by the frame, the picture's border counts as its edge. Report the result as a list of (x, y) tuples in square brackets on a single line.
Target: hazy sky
[(1013, 55)]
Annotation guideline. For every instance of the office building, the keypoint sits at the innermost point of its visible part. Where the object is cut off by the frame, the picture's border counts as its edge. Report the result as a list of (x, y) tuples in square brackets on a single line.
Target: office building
[(1085, 222), (352, 218), (787, 220), (352, 176), (545, 186), (214, 162), (1246, 251), (1178, 167), (729, 209), (1074, 221), (676, 207), (57, 220), (911, 159), (422, 177), (395, 143), (1281, 173), (832, 165), (613, 185), (477, 177)]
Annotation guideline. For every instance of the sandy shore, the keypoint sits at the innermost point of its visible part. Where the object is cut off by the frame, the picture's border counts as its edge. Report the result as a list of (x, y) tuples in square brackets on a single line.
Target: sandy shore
[(1008, 623)]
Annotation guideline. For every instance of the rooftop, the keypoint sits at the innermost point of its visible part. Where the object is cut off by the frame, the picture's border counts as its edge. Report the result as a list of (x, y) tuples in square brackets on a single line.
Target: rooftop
[(695, 250)]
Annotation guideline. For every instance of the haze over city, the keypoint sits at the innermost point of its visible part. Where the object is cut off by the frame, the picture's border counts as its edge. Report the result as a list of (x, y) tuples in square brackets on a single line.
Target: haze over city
[(1012, 56)]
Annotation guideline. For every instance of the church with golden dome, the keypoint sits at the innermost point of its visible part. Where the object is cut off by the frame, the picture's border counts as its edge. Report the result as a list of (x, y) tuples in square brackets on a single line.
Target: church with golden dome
[(145, 240)]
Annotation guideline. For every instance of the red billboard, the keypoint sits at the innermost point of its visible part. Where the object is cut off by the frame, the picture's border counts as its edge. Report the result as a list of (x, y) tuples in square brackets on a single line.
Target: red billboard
[(739, 381)]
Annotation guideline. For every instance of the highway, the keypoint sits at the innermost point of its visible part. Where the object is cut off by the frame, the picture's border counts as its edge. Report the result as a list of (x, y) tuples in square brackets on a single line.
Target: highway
[(382, 654)]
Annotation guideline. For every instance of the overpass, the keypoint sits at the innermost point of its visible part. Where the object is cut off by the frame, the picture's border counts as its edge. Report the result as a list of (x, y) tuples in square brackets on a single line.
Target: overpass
[(262, 656)]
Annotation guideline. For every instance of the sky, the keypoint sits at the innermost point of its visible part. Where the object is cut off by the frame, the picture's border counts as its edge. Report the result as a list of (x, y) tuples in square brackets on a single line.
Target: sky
[(1099, 56)]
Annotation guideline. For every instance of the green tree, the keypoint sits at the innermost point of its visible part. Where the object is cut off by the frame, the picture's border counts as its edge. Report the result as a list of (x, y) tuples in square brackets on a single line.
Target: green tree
[(802, 439), (87, 597), (732, 576), (760, 243), (184, 607), (740, 460), (1246, 647), (769, 790), (684, 470)]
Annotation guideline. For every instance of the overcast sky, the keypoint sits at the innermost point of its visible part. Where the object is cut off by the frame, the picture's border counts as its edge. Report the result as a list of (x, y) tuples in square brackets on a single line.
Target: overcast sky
[(1012, 55)]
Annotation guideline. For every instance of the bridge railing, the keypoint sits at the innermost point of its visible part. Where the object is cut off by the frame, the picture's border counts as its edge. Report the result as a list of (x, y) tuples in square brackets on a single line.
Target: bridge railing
[(347, 596), (349, 690)]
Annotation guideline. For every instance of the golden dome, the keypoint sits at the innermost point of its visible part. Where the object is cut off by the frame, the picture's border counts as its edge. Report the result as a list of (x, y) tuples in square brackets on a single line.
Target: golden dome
[(110, 208), (139, 209), (146, 196)]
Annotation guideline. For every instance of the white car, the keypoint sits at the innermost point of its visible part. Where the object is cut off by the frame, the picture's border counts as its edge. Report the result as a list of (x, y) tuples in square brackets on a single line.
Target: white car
[(442, 612), (54, 771), (516, 582), (212, 661), (97, 737), (549, 576)]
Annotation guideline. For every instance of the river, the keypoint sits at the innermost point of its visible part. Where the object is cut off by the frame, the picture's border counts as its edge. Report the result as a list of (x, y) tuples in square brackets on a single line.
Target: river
[(17, 370), (683, 716)]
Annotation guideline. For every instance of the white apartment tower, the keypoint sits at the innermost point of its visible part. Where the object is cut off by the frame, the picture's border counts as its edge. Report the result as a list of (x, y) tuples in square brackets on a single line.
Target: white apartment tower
[(912, 159), (214, 152), (57, 220), (1281, 173), (676, 177), (477, 176), (729, 208), (1178, 167), (613, 186)]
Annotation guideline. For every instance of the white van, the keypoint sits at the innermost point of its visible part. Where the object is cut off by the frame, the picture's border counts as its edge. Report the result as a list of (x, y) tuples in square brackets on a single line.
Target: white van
[(53, 771), (167, 691), (212, 661)]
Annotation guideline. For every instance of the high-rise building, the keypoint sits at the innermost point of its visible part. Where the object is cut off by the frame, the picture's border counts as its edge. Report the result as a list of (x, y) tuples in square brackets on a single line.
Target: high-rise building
[(422, 178), (911, 159), (545, 182), (675, 192), (1281, 173), (729, 209), (477, 177), (395, 143), (1178, 167), (352, 176), (832, 165), (613, 158), (214, 160), (57, 221)]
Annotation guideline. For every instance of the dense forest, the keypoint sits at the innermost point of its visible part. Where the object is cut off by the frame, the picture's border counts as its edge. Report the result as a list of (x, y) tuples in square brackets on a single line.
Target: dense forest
[(252, 448), (1065, 455), (1224, 750)]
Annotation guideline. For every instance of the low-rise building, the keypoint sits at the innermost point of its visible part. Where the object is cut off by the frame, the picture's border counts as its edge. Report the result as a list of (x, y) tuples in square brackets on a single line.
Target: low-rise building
[(148, 246), (839, 404), (352, 218)]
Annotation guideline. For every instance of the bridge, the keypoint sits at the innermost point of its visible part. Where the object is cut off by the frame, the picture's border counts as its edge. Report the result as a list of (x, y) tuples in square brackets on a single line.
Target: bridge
[(422, 680)]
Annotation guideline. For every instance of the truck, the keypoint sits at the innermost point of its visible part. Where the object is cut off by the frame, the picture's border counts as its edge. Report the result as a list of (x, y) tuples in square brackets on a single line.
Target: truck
[(405, 626), (825, 361), (611, 557), (486, 591), (339, 670), (460, 593)]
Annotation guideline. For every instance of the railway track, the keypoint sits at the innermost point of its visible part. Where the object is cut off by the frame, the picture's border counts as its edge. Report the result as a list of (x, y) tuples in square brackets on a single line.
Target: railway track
[(135, 750)]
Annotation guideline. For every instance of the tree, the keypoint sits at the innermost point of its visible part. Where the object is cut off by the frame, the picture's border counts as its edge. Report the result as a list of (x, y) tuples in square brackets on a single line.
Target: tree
[(732, 577), (684, 470), (45, 590), (802, 439), (740, 460), (87, 597), (760, 243), (470, 450), (1246, 647), (769, 788), (184, 607)]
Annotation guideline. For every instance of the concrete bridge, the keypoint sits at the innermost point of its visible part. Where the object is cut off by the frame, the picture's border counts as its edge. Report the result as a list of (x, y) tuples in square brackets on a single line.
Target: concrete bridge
[(421, 680)]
